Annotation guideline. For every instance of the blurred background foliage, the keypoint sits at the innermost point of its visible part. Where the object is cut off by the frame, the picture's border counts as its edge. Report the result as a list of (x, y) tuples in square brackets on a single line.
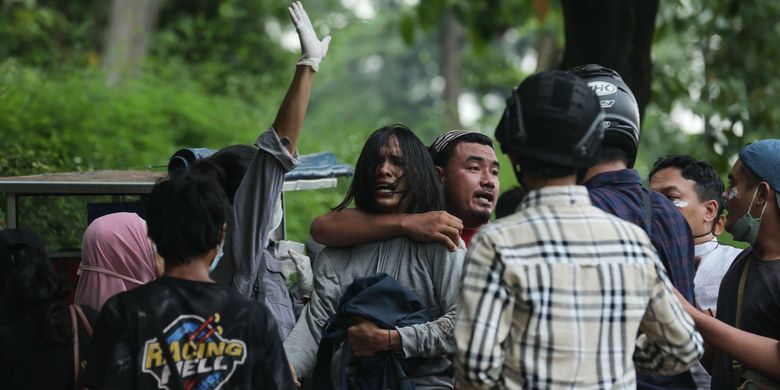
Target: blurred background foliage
[(122, 84)]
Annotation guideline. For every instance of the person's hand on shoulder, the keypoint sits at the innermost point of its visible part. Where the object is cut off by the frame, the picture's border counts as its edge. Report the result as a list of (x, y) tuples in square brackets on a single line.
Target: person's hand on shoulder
[(434, 226)]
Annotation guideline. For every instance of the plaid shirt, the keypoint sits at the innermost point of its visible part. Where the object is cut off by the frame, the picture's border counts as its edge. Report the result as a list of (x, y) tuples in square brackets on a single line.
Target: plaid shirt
[(620, 193), (553, 296)]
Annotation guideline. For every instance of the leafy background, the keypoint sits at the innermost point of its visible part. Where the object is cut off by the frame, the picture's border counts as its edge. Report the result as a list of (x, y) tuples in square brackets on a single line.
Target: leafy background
[(215, 71)]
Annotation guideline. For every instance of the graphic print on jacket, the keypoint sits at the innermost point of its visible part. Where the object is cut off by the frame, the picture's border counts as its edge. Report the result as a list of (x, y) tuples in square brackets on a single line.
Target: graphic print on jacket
[(203, 358)]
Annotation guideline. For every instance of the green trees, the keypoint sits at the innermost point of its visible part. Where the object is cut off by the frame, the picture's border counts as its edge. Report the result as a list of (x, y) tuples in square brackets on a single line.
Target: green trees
[(215, 70)]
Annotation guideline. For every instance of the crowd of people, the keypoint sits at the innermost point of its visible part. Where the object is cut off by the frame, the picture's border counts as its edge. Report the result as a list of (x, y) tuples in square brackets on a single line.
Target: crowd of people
[(588, 280)]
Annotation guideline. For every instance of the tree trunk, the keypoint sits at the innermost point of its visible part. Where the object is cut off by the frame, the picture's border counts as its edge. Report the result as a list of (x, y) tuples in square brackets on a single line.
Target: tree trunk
[(547, 51), (614, 33), (450, 43), (131, 23)]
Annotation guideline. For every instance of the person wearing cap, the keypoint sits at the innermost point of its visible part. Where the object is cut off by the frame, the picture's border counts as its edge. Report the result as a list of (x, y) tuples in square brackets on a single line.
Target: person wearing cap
[(749, 297), (616, 188), (554, 295), (468, 169)]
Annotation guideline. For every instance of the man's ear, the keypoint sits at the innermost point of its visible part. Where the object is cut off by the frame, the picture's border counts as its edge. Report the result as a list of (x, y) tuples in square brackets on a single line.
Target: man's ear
[(440, 173), (764, 192), (719, 225), (711, 210)]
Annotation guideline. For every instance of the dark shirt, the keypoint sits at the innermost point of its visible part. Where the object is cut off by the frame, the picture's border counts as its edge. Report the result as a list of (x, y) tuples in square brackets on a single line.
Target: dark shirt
[(760, 306), (620, 193), (27, 360), (217, 338)]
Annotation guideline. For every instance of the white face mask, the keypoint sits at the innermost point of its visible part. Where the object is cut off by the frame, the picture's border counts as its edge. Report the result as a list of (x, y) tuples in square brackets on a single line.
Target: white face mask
[(278, 215)]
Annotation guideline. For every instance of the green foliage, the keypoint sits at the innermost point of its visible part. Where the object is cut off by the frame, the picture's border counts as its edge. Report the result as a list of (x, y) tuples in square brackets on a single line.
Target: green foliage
[(73, 122), (225, 43), (716, 59), (216, 74), (26, 29)]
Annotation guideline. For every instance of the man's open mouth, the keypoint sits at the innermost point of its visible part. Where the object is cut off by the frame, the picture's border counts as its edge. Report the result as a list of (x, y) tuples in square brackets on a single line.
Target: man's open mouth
[(485, 195)]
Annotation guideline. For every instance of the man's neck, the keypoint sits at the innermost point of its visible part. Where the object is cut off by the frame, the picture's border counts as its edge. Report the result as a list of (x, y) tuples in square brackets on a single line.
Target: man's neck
[(196, 269), (703, 239), (767, 246), (534, 183), (604, 167), (473, 224)]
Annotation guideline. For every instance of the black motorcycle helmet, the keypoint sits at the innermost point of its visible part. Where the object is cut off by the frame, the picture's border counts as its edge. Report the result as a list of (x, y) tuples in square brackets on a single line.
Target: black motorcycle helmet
[(617, 100), (554, 117)]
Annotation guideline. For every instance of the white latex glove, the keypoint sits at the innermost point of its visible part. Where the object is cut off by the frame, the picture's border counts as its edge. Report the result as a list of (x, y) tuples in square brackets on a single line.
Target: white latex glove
[(312, 49), (305, 277)]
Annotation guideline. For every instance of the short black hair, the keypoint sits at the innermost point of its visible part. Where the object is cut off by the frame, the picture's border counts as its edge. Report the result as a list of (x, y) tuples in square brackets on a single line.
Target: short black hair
[(544, 169), (442, 158), (227, 166), (184, 217), (423, 185), (709, 186), (610, 153)]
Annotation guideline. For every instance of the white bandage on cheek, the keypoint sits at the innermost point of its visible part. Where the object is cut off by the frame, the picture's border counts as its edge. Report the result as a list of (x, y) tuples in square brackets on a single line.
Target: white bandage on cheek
[(680, 203), (731, 194)]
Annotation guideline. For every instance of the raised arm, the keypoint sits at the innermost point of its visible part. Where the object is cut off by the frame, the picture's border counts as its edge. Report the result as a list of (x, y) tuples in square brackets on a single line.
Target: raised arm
[(289, 119), (258, 196), (350, 227)]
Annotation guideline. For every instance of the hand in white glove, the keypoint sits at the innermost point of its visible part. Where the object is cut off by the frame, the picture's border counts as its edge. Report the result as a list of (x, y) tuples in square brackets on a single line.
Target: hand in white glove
[(305, 277), (312, 49)]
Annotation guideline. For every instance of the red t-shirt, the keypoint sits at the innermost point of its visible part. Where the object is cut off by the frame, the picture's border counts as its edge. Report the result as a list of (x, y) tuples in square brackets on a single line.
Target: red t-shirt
[(467, 234)]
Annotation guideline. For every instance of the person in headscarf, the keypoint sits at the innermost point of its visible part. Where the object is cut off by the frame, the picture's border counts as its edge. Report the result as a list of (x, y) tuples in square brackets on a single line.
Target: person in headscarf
[(116, 256)]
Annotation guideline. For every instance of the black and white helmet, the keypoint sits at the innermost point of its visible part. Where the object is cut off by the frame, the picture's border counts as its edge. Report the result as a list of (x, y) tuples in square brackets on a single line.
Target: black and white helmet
[(621, 111), (553, 117)]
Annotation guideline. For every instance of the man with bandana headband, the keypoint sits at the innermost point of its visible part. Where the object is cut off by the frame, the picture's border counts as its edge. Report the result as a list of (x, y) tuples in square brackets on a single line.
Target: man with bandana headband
[(749, 297)]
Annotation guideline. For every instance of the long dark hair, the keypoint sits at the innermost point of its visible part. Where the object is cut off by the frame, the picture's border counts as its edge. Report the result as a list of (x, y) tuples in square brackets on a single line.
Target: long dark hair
[(28, 283), (423, 186)]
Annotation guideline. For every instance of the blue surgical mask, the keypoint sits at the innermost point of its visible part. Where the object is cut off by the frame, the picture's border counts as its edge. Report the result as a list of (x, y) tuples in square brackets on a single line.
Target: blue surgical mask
[(746, 228), (217, 258)]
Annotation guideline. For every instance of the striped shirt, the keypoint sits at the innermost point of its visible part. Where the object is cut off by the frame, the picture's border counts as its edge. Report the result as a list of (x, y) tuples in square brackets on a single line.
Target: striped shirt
[(553, 297), (620, 193)]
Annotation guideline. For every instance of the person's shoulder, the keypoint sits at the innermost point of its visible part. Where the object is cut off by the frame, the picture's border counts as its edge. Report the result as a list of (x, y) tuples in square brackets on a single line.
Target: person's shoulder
[(621, 227), (141, 292), (332, 256), (730, 251)]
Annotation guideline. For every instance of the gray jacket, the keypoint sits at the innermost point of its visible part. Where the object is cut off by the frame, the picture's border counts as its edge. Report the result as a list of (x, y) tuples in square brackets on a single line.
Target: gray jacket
[(245, 263), (428, 269)]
